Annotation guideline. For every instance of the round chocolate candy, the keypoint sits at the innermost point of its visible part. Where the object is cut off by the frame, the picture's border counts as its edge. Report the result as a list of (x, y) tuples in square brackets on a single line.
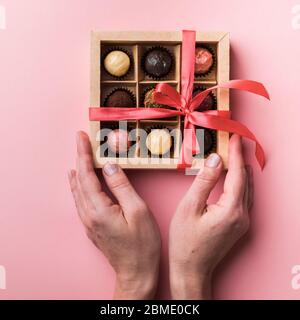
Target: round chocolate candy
[(149, 101), (117, 63), (159, 141), (208, 141), (208, 103), (157, 62), (203, 60), (118, 141), (119, 98)]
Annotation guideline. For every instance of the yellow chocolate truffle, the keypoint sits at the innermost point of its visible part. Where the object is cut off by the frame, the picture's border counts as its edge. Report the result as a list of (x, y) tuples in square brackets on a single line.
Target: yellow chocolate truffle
[(117, 63), (159, 141)]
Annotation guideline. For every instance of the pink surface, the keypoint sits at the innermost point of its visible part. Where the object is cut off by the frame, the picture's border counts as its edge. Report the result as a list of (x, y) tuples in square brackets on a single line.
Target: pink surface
[(44, 99)]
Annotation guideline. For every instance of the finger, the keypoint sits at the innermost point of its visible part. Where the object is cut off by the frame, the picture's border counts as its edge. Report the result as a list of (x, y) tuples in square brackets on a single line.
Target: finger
[(120, 186), (246, 194), (205, 181), (78, 198), (235, 181), (87, 177), (248, 197)]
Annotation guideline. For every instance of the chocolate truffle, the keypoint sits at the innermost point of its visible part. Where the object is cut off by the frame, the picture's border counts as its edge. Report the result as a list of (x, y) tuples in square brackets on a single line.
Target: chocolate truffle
[(159, 141), (203, 60), (208, 141), (208, 103), (157, 62), (118, 141), (117, 63), (119, 98), (149, 101)]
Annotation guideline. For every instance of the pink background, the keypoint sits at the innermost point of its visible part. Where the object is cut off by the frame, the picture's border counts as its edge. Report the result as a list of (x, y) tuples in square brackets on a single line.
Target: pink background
[(44, 96)]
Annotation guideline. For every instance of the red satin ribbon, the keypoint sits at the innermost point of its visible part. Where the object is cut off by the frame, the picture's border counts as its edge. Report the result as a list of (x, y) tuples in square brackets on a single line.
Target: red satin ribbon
[(185, 105)]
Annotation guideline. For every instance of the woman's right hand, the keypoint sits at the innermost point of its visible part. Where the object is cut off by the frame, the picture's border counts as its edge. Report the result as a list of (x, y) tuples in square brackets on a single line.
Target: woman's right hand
[(200, 234)]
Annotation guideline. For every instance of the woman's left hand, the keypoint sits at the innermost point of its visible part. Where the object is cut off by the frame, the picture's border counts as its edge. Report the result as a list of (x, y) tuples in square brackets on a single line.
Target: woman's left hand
[(125, 232)]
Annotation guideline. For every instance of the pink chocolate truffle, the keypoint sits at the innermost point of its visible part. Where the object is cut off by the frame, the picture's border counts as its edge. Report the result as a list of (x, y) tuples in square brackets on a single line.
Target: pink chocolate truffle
[(203, 60), (118, 141)]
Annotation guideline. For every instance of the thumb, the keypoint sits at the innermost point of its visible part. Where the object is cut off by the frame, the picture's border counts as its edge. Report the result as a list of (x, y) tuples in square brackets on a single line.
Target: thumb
[(205, 181), (120, 186)]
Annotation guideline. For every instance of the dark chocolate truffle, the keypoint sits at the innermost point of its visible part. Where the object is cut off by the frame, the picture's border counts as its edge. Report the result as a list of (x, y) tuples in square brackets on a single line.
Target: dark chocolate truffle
[(203, 60), (119, 98), (157, 62), (208, 103), (208, 141)]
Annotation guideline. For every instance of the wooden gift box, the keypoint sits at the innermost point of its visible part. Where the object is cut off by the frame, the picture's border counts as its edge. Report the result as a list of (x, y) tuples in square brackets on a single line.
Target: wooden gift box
[(136, 81)]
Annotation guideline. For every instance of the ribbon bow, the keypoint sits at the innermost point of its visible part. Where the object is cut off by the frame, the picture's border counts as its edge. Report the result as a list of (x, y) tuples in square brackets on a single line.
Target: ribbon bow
[(185, 105)]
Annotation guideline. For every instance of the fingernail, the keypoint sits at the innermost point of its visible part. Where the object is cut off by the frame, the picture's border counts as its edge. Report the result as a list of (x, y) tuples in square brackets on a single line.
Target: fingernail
[(213, 160), (110, 168)]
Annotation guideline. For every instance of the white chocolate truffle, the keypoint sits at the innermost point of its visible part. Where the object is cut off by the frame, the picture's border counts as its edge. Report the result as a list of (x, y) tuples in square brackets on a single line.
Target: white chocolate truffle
[(159, 141), (117, 63)]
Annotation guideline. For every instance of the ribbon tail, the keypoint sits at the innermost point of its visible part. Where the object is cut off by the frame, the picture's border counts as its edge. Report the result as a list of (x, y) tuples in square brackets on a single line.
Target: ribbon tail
[(223, 124), (185, 157), (260, 155), (244, 85), (190, 145)]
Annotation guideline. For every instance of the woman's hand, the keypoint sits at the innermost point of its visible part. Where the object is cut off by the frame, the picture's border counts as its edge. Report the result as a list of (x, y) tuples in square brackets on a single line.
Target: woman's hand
[(125, 232), (200, 234)]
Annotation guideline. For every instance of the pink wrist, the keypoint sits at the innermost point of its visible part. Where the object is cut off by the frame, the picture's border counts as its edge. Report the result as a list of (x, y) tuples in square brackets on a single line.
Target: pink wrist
[(137, 288), (191, 287)]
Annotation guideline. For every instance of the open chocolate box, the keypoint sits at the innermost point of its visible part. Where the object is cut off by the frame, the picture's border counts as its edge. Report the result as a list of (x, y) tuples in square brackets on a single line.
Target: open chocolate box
[(137, 83)]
